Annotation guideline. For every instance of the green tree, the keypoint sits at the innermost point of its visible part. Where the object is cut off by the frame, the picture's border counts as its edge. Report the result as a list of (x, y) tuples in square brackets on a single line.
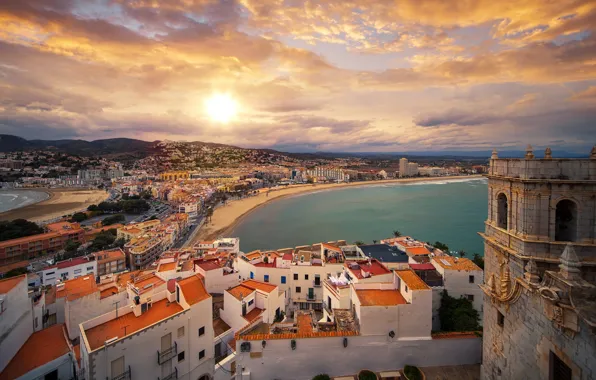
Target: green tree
[(358, 242), (113, 220), (18, 228), (93, 208), (461, 253), (78, 217), (322, 376), (442, 246), (102, 241), (478, 260), (374, 241), (396, 233), (71, 246), (457, 314)]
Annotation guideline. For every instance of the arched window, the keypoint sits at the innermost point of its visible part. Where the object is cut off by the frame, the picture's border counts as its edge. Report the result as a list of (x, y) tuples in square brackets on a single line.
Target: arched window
[(566, 221), (205, 377), (502, 211)]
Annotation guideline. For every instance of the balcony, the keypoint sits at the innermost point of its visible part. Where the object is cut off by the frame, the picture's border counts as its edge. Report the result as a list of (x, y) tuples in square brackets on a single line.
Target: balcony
[(167, 354), (317, 283), (123, 376), (171, 376), (311, 297)]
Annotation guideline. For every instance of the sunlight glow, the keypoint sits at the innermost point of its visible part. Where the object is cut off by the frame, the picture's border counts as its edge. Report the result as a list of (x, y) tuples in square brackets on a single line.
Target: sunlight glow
[(221, 108)]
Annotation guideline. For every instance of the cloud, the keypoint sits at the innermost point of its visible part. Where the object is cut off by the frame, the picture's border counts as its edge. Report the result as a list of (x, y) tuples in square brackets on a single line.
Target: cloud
[(588, 94)]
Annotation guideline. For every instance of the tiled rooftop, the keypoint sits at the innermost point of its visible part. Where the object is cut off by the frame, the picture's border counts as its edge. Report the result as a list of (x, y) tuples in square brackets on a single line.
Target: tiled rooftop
[(42, 347), (423, 266), (193, 289), (417, 250), (253, 314), (411, 279), (456, 263), (108, 292), (253, 255), (77, 287), (240, 291), (262, 286), (72, 262), (167, 267), (377, 297), (304, 323), (375, 268), (129, 323), (145, 282), (6, 285), (109, 255), (219, 327), (208, 265)]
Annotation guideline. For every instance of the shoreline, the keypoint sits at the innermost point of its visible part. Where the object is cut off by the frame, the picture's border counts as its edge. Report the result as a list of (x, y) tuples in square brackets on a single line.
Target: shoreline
[(226, 218), (60, 201), (33, 189)]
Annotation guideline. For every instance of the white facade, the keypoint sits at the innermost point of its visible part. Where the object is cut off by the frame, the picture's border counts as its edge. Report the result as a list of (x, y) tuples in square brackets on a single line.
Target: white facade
[(67, 270), (217, 280), (16, 321)]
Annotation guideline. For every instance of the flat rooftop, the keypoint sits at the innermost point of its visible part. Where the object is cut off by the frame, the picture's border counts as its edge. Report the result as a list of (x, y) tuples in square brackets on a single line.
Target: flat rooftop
[(385, 253), (219, 327), (129, 323), (411, 279), (378, 297)]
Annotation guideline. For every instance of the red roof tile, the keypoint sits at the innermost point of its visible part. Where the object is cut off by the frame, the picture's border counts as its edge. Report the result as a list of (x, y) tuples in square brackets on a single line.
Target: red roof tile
[(263, 286), (7, 284), (378, 297), (42, 347), (253, 314), (193, 289), (425, 266)]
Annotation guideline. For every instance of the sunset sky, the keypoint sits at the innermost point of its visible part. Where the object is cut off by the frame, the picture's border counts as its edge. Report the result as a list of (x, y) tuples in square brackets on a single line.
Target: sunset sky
[(356, 75)]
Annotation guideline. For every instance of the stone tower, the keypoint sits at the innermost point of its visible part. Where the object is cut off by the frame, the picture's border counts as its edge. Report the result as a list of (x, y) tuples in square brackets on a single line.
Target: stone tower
[(540, 269)]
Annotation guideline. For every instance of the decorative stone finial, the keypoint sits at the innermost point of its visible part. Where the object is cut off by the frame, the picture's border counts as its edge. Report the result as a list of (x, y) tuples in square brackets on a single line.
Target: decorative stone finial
[(494, 155), (505, 282), (529, 152), (531, 273), (548, 154), (491, 284), (569, 267), (593, 153)]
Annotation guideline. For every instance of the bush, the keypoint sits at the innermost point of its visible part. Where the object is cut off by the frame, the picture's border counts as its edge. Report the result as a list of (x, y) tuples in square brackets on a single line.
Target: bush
[(112, 220), (322, 376), (367, 375), (78, 217), (412, 372), (18, 228), (457, 314)]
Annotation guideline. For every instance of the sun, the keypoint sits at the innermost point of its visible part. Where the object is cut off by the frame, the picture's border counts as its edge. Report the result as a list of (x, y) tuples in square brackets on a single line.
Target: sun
[(221, 108)]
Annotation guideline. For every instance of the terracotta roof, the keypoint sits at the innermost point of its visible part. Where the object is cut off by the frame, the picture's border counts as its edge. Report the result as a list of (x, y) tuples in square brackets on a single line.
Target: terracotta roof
[(193, 289), (77, 287), (253, 314), (331, 247), (149, 280), (262, 286), (219, 327), (171, 286), (269, 264), (456, 263), (378, 297), (7, 284), (375, 268), (417, 250), (9, 267), (77, 352), (240, 291), (411, 279), (96, 336), (51, 295), (287, 256), (110, 254), (208, 265), (424, 266), (108, 292), (318, 334), (28, 239), (253, 255), (167, 267), (72, 262), (304, 323), (42, 347)]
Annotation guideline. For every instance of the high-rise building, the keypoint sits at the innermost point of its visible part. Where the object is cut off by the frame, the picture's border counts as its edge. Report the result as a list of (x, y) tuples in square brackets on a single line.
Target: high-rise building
[(403, 167), (540, 273), (412, 169)]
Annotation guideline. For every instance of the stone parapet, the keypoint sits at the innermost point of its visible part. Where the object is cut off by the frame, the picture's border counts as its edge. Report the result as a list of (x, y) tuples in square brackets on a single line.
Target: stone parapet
[(544, 169)]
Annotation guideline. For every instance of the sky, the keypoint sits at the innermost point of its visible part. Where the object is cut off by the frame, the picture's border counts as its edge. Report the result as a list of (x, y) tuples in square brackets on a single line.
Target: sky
[(338, 76)]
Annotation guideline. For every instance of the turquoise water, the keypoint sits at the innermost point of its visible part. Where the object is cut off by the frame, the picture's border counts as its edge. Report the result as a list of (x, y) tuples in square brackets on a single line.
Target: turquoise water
[(449, 212)]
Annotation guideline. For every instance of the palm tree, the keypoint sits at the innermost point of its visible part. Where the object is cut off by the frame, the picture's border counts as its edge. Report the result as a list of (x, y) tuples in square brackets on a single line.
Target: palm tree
[(396, 233), (359, 242), (461, 253), (374, 242)]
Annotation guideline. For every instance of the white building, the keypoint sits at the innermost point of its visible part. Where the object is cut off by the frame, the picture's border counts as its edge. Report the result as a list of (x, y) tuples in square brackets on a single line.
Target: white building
[(218, 273), (461, 277), (403, 167), (431, 171), (412, 169), (328, 173), (250, 300), (68, 269), (175, 323)]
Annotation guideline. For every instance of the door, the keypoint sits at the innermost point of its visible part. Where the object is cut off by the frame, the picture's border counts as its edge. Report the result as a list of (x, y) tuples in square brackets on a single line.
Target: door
[(166, 343), (218, 352), (118, 367), (243, 309)]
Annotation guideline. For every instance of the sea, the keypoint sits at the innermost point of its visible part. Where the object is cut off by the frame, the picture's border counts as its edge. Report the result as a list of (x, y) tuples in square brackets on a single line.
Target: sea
[(452, 212), (12, 199)]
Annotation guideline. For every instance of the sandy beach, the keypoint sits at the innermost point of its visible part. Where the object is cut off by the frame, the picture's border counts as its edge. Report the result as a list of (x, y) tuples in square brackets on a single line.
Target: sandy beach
[(225, 218), (61, 202)]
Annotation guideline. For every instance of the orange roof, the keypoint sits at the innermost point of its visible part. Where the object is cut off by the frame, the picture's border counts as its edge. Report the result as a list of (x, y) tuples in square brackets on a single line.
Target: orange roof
[(262, 286), (193, 289), (331, 247), (418, 250), (108, 292), (77, 287), (167, 267), (63, 226), (42, 347), (6, 285), (28, 239), (253, 314), (77, 352), (150, 280), (411, 279), (240, 291), (377, 297), (129, 324), (304, 323), (253, 255), (456, 263), (51, 295), (109, 255), (9, 267)]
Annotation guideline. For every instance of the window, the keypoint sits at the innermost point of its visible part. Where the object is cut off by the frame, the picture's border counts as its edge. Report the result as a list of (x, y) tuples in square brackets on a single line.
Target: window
[(251, 302), (181, 332), (500, 319), (283, 279), (406, 287), (470, 297), (252, 275), (202, 331), (502, 211), (266, 278), (298, 290), (180, 356), (566, 221), (306, 277), (295, 276), (35, 322), (89, 268), (558, 370), (201, 354), (471, 279)]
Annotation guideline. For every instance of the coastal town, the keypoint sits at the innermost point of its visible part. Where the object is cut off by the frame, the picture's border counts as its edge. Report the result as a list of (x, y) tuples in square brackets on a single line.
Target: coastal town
[(151, 269)]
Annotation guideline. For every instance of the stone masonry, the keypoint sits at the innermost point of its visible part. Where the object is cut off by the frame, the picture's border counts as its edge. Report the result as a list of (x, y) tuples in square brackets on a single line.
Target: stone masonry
[(540, 269)]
